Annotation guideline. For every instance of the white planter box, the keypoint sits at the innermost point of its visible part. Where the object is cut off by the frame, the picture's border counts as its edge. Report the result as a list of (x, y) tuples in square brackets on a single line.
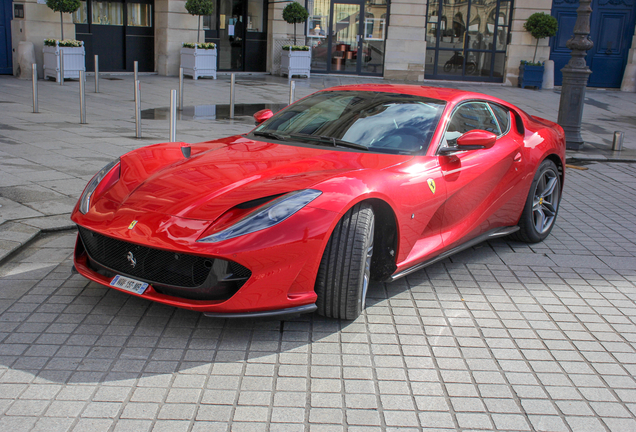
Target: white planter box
[(198, 62), (74, 61), (295, 63)]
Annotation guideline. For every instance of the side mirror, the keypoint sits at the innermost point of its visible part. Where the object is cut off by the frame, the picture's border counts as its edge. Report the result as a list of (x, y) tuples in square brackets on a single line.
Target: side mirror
[(262, 115), (476, 139)]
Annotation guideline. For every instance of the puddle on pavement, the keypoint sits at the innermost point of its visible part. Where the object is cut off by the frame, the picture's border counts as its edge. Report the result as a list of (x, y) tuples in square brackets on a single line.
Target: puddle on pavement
[(209, 112)]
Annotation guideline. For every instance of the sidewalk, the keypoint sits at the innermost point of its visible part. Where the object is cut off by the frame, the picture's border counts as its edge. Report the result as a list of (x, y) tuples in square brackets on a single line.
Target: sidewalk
[(47, 158)]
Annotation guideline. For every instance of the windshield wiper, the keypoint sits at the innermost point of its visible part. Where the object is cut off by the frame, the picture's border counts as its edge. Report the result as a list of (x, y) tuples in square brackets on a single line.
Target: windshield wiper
[(330, 140), (272, 135)]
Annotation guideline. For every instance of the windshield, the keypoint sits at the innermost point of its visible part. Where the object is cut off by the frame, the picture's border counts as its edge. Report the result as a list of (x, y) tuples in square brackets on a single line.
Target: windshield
[(379, 121)]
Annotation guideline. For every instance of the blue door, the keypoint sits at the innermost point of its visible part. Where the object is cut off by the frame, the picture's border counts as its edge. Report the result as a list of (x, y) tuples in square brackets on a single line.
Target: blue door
[(611, 30), (5, 37)]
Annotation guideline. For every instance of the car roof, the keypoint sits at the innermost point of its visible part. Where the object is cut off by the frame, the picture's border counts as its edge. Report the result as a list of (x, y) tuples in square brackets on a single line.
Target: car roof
[(441, 93)]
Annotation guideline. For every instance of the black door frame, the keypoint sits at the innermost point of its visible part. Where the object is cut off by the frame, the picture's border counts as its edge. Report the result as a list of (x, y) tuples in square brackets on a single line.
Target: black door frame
[(361, 27), (465, 50), (137, 43), (254, 49)]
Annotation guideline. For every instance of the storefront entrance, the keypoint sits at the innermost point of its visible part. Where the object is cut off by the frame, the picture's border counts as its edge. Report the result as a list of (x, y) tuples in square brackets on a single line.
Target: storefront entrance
[(466, 39), (239, 28), (120, 32), (343, 42)]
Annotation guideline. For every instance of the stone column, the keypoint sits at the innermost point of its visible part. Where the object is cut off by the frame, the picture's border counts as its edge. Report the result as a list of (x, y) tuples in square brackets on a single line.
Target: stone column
[(280, 33), (173, 26), (405, 52), (39, 23), (629, 76), (522, 43)]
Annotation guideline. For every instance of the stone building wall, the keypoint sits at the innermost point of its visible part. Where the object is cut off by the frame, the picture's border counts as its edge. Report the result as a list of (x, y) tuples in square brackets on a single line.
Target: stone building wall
[(39, 23), (405, 52)]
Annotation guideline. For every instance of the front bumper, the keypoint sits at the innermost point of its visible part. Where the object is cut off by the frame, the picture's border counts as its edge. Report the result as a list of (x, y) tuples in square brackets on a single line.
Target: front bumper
[(284, 261)]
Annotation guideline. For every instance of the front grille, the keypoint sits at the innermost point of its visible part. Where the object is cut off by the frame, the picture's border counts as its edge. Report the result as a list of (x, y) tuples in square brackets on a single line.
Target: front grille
[(163, 267)]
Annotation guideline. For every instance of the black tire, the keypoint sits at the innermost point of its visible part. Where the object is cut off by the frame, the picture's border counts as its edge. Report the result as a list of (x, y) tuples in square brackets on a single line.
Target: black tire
[(471, 68), (345, 268), (448, 66), (542, 205)]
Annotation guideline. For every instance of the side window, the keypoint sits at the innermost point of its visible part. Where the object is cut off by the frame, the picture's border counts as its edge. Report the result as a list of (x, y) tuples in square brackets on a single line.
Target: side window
[(503, 117), (470, 116)]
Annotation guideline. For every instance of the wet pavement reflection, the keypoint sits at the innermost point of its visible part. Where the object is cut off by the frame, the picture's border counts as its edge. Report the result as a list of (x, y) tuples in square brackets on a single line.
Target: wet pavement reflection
[(209, 112)]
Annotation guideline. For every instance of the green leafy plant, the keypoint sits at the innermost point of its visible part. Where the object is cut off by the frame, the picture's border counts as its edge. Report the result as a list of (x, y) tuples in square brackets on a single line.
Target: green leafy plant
[(541, 25), (201, 45), (70, 43), (200, 8), (295, 48), (63, 6), (294, 13)]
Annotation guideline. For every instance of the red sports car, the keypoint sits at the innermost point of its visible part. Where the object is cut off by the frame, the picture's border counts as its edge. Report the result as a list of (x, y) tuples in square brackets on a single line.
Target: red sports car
[(349, 184)]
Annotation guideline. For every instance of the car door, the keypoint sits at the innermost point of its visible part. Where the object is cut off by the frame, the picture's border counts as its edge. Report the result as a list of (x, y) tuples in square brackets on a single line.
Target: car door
[(481, 185)]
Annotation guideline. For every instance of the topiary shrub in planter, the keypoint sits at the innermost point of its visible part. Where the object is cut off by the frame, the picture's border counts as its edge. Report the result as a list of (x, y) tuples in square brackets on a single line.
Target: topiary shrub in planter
[(530, 74), (199, 59), (74, 58), (295, 59), (540, 25), (199, 8), (63, 6)]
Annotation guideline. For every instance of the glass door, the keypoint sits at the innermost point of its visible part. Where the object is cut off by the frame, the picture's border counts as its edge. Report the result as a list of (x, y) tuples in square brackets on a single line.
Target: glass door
[(467, 39), (231, 35), (347, 36)]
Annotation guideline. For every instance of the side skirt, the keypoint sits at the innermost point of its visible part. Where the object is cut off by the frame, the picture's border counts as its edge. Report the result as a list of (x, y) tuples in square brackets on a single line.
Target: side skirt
[(497, 232)]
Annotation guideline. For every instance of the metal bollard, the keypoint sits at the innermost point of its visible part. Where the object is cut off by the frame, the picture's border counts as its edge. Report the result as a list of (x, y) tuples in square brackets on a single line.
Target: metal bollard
[(136, 69), (180, 89), (173, 115), (82, 89), (96, 73), (138, 109), (34, 77), (232, 96), (617, 144), (292, 91), (61, 67)]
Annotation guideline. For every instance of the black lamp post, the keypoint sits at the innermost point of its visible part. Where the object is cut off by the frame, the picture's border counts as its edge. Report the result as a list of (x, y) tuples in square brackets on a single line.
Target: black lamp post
[(575, 75)]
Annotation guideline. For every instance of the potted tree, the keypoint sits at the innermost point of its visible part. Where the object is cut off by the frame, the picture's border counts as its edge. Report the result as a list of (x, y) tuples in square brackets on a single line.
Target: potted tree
[(540, 25), (74, 53), (295, 59), (199, 59)]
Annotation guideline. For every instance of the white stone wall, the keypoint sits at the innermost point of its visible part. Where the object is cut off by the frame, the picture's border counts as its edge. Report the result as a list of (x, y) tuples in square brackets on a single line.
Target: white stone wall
[(173, 26), (39, 23), (522, 44), (405, 52)]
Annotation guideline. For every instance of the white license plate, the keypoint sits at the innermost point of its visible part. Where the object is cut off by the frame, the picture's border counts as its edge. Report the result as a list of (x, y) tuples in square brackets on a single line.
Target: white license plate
[(129, 284)]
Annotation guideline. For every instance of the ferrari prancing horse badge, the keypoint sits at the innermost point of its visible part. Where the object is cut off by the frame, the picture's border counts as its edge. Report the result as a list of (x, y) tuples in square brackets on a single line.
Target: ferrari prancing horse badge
[(431, 184)]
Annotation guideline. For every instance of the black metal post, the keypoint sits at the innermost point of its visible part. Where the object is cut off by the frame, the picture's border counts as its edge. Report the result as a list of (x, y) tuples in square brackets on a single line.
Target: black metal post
[(575, 75)]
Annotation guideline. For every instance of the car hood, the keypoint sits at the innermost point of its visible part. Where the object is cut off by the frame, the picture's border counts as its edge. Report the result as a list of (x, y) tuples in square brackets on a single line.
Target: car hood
[(222, 174)]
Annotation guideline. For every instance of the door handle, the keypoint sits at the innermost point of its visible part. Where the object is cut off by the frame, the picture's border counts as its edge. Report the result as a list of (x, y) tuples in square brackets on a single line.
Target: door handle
[(518, 157), (608, 50)]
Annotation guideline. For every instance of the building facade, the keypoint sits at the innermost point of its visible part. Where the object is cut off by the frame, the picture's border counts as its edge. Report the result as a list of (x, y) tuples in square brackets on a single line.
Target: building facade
[(415, 40)]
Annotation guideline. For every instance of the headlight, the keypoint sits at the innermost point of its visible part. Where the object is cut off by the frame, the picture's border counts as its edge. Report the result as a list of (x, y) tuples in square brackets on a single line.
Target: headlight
[(85, 200), (267, 216)]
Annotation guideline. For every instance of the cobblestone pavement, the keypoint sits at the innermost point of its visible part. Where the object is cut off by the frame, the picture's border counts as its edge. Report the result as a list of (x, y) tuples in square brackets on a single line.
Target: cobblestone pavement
[(506, 336)]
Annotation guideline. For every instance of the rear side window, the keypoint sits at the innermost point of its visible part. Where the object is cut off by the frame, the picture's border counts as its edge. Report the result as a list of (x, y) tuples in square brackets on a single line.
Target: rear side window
[(503, 117)]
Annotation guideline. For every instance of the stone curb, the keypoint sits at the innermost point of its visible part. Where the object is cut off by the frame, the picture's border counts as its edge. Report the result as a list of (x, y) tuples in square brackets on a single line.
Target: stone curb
[(17, 235)]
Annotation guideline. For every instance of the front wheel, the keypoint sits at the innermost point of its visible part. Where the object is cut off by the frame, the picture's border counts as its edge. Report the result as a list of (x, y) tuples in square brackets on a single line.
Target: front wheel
[(542, 205), (345, 268)]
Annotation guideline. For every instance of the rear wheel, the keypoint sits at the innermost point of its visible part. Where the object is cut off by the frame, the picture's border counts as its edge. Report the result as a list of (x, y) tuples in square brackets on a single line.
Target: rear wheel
[(542, 205), (345, 268)]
